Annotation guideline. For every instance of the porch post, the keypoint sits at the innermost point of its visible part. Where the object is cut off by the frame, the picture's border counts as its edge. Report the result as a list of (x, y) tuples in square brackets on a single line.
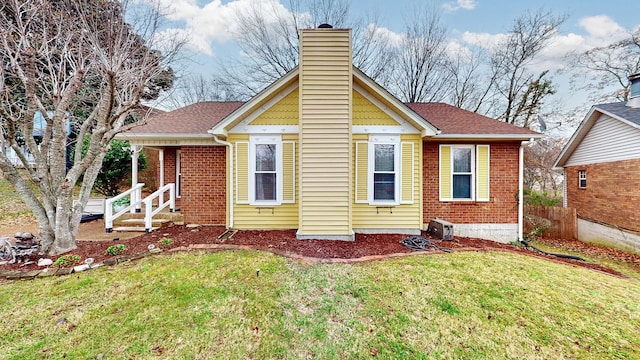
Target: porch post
[(135, 196), (161, 162)]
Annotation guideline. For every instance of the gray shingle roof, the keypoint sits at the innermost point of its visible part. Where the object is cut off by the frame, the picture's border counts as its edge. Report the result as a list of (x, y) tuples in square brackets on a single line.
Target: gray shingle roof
[(621, 110)]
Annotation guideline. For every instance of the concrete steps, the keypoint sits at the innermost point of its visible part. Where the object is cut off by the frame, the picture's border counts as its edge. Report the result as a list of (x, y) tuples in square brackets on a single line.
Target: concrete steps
[(135, 222)]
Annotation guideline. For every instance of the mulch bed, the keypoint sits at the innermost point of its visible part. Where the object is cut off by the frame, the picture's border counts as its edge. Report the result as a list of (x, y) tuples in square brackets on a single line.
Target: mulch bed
[(285, 242)]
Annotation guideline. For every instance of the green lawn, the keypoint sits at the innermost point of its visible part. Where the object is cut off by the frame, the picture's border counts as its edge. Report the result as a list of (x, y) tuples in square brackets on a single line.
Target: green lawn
[(213, 306)]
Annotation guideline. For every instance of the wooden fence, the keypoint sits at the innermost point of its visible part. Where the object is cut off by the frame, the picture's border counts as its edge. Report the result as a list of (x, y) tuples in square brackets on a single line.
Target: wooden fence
[(564, 222)]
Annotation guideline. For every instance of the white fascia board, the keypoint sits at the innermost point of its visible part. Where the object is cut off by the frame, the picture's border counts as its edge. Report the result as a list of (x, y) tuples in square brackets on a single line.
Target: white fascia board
[(159, 136), (405, 128), (428, 128), (266, 129), (523, 137), (220, 128)]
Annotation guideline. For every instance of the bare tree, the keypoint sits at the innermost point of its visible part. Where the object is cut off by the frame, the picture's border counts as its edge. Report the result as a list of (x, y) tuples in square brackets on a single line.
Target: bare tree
[(607, 66), (268, 38), (197, 88), (510, 62), (67, 59), (539, 157), (421, 73)]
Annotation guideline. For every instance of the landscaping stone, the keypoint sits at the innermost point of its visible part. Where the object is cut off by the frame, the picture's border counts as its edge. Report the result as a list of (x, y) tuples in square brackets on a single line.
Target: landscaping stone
[(45, 262), (155, 251), (80, 268)]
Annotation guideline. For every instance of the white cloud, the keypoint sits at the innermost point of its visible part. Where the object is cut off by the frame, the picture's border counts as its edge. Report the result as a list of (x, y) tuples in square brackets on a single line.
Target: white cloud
[(599, 30), (459, 4), (483, 40), (213, 22), (394, 38), (602, 27)]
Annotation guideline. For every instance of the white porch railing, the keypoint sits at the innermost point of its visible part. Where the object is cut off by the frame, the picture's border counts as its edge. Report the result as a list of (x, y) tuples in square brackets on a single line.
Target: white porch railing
[(135, 196), (148, 207)]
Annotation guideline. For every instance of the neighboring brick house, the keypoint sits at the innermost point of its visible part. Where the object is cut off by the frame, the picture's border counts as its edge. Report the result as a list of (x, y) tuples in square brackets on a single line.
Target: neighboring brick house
[(601, 164), (327, 151)]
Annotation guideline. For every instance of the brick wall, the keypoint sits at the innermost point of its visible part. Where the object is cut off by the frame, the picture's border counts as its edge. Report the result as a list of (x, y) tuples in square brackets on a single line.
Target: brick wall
[(612, 195), (203, 170), (503, 205)]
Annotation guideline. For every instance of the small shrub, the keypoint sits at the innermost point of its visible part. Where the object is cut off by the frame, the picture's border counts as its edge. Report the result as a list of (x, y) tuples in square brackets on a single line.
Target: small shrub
[(539, 225), (165, 243), (122, 202), (66, 261), (541, 199), (115, 250)]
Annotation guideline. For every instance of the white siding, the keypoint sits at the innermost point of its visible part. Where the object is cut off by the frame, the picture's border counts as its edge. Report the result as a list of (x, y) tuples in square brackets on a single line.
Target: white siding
[(608, 140)]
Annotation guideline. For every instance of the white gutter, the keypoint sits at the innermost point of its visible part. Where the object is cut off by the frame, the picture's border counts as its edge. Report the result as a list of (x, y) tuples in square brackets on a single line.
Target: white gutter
[(230, 176), (529, 137)]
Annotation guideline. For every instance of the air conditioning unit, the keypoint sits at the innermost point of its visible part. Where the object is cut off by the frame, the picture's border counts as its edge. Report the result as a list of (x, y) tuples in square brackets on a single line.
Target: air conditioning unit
[(440, 229)]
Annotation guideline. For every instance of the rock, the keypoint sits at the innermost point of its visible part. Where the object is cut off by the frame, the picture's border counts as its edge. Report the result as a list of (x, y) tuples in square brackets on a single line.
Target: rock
[(80, 268), (190, 226), (45, 262)]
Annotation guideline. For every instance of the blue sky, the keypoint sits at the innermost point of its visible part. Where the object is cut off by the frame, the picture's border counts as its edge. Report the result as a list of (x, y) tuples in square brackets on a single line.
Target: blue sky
[(590, 23)]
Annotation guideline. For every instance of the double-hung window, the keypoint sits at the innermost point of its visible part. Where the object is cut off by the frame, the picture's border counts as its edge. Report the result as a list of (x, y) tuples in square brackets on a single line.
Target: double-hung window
[(384, 170), (464, 172), (582, 179), (265, 167)]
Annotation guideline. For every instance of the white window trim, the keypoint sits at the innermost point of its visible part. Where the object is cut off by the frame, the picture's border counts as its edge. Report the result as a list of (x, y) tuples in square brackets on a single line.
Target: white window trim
[(473, 171), (384, 140), (581, 177), (258, 140)]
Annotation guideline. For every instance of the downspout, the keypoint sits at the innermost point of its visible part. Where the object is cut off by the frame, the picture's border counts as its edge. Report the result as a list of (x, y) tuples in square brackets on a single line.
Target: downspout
[(230, 177), (521, 189)]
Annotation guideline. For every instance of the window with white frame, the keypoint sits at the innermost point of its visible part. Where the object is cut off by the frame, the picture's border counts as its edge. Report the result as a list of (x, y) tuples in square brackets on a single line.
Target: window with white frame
[(462, 172), (582, 179), (384, 163), (265, 166)]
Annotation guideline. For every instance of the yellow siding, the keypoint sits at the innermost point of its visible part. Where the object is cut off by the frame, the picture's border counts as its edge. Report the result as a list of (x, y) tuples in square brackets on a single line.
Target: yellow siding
[(483, 173), (284, 112), (325, 132), (366, 113), (247, 216), (445, 172), (403, 216)]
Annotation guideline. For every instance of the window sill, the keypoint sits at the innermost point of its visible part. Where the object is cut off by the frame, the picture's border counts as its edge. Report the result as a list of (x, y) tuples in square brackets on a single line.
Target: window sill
[(265, 204)]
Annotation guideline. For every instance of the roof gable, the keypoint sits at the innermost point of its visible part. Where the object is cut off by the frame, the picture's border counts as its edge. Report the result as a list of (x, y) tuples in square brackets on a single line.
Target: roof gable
[(618, 120), (270, 96)]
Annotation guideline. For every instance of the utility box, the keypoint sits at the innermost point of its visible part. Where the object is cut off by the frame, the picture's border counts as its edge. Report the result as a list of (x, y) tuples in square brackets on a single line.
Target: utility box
[(440, 229)]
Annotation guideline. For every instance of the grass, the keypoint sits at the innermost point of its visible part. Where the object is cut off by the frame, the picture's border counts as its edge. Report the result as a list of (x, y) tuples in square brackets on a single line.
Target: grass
[(216, 306), (11, 205)]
